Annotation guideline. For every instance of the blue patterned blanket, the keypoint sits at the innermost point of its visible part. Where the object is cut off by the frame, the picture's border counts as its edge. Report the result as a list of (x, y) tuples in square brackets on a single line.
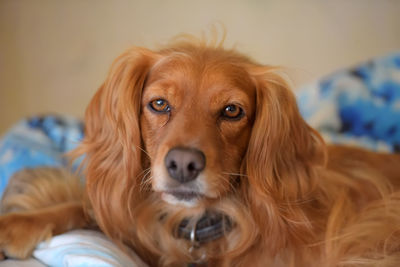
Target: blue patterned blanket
[(38, 141), (358, 106)]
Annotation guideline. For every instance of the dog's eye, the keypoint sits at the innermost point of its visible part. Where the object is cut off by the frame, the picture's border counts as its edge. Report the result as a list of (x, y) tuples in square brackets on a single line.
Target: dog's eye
[(232, 112), (160, 106)]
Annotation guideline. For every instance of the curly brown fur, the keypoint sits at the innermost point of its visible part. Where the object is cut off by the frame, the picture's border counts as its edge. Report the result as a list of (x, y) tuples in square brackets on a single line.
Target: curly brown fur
[(37, 204)]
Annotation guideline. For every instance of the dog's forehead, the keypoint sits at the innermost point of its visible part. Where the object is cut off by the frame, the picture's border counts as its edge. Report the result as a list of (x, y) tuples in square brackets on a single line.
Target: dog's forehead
[(206, 74)]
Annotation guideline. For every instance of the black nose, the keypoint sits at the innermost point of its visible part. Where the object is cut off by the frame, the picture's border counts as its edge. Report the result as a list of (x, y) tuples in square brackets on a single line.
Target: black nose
[(184, 164)]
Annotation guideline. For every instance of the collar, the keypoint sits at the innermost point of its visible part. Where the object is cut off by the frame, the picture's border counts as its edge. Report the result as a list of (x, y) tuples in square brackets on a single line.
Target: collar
[(209, 227)]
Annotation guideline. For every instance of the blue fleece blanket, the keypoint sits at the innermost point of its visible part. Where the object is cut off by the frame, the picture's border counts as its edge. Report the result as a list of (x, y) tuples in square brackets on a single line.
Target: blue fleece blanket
[(358, 106), (38, 141)]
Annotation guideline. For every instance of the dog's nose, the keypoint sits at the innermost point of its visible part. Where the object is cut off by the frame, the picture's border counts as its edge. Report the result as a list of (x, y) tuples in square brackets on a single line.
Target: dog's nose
[(184, 164)]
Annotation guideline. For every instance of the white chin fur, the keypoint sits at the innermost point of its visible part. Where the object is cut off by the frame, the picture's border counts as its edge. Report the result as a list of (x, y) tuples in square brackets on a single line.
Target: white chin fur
[(174, 201)]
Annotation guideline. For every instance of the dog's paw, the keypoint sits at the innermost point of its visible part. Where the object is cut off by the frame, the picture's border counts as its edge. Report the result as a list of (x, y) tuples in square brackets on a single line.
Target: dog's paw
[(20, 233)]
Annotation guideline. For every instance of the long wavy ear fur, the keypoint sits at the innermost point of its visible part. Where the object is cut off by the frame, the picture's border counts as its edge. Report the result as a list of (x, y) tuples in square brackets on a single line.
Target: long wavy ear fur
[(282, 155), (112, 143)]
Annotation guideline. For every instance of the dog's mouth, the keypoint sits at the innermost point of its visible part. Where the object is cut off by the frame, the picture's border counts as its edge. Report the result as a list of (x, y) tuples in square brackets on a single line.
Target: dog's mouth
[(181, 196), (184, 195)]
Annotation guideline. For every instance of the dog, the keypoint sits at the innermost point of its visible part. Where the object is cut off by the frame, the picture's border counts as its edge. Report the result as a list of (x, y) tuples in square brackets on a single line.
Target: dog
[(198, 154)]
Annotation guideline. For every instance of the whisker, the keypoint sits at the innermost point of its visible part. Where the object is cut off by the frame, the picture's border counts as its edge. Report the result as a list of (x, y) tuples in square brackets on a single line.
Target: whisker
[(144, 151), (145, 186), (234, 174), (143, 171), (225, 179), (146, 181)]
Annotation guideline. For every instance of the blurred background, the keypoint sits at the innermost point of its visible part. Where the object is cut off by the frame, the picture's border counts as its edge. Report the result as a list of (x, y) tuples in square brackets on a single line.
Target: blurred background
[(54, 54)]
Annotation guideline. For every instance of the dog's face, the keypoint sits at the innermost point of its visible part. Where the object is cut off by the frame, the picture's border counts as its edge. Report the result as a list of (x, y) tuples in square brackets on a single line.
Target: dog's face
[(196, 119)]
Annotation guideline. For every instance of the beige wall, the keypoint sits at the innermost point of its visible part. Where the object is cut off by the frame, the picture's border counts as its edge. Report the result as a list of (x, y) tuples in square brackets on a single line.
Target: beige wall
[(54, 54)]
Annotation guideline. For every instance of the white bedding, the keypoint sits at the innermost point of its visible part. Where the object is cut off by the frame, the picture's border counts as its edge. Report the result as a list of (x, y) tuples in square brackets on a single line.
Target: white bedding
[(79, 248)]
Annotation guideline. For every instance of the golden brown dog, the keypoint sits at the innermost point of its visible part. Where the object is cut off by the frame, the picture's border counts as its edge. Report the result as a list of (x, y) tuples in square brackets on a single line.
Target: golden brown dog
[(195, 153)]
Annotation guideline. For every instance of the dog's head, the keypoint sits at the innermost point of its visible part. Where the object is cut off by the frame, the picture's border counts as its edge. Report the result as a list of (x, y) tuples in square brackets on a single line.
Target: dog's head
[(190, 126), (197, 112)]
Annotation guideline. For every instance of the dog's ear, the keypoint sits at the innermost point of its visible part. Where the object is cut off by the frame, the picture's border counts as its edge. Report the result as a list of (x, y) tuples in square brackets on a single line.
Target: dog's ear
[(282, 149), (281, 160), (112, 143)]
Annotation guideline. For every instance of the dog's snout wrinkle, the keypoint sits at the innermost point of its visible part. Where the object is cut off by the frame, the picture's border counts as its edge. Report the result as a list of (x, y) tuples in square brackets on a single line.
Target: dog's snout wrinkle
[(185, 164)]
